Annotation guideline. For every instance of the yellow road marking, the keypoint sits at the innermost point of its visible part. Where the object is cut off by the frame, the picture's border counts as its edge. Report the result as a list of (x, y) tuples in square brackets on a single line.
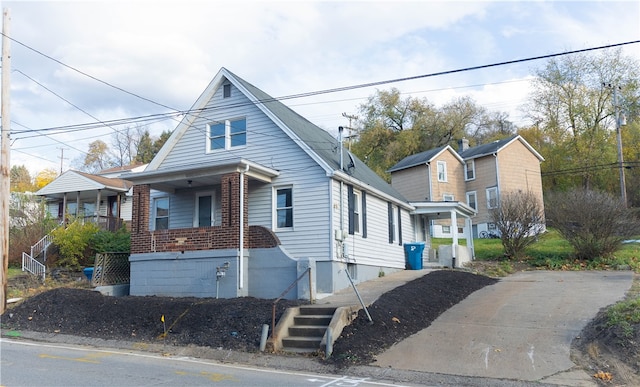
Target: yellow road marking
[(212, 376), (92, 358)]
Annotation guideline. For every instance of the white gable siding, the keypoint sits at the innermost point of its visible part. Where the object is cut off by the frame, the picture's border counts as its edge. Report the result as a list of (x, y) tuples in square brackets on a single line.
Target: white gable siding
[(69, 179)]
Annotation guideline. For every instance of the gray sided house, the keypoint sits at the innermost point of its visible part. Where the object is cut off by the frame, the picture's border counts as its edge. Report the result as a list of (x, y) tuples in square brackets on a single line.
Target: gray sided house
[(246, 195)]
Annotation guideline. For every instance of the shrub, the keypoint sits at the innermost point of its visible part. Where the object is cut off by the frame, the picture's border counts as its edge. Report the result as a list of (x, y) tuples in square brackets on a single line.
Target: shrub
[(519, 219), (73, 244), (111, 242), (594, 223)]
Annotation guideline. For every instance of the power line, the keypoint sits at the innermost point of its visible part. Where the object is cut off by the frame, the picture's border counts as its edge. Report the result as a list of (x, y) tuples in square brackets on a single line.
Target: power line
[(314, 93), (88, 75)]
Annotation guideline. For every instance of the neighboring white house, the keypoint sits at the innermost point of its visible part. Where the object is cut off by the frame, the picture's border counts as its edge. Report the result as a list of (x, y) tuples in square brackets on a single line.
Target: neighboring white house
[(102, 197)]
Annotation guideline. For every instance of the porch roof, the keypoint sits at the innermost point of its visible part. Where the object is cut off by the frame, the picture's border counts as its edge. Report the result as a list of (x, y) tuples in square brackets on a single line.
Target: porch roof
[(442, 210), (83, 185), (200, 175)]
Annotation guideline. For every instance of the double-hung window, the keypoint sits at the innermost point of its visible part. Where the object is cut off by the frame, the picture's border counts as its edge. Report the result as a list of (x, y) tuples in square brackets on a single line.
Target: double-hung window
[(472, 200), (227, 134), (442, 171), (161, 213), (492, 197), (283, 208), (469, 170)]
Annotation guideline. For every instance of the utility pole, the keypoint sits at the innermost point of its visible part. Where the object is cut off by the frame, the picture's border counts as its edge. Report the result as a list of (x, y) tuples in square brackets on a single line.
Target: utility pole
[(345, 115), (5, 147), (61, 158), (619, 123)]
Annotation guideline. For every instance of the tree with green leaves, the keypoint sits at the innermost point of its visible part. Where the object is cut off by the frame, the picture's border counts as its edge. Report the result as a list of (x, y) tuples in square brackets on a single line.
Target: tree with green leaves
[(572, 106), (393, 127), (21, 179)]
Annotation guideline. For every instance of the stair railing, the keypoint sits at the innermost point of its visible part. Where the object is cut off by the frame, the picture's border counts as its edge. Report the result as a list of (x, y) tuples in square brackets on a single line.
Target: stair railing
[(275, 303), (41, 246), (34, 267)]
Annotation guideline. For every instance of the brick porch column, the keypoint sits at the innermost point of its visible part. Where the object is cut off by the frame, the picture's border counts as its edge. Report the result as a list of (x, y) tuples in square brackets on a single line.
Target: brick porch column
[(230, 206), (140, 242)]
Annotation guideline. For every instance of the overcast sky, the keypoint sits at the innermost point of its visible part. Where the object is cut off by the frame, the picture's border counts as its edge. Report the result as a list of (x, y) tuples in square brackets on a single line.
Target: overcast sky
[(167, 52)]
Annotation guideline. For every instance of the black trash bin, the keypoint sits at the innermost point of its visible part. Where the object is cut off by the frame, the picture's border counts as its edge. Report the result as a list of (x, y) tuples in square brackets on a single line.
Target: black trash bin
[(413, 255)]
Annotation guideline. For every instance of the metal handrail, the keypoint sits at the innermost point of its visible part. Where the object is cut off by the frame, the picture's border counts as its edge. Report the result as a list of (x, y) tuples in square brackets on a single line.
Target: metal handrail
[(273, 312), (33, 266), (41, 245)]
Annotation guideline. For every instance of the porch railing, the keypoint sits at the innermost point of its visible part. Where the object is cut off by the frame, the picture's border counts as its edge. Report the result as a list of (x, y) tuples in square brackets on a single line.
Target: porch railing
[(32, 266)]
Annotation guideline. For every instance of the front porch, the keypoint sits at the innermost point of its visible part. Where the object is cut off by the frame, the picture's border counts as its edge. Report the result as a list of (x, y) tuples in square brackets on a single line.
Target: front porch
[(451, 213)]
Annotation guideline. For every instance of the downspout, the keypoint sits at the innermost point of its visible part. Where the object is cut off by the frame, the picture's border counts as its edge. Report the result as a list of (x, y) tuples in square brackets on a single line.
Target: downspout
[(340, 251), (241, 253)]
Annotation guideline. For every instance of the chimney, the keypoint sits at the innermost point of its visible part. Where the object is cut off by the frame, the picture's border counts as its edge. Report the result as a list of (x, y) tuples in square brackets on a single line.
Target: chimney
[(463, 145)]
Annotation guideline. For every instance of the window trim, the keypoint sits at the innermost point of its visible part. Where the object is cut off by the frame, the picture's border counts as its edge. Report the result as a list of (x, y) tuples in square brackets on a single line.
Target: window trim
[(488, 193), (473, 170), (475, 194), (451, 196), (276, 208), (228, 134), (440, 163), (155, 211), (226, 90)]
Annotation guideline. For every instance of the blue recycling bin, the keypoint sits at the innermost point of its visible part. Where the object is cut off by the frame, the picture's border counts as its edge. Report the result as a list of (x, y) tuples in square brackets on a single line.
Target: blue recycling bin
[(413, 255), (88, 272)]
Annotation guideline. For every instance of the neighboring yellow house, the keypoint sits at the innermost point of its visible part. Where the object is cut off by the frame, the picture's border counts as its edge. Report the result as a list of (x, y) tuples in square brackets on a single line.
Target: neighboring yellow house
[(474, 177)]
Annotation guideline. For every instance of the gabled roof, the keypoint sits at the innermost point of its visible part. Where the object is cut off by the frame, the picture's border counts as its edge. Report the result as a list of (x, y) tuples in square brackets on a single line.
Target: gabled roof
[(422, 158), (75, 181), (496, 146), (316, 142)]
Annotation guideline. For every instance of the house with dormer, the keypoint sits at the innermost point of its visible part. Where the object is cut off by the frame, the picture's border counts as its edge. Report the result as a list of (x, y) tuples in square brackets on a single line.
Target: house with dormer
[(247, 196)]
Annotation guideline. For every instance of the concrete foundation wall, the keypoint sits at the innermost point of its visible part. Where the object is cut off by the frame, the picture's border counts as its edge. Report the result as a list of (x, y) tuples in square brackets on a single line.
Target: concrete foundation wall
[(188, 274), (271, 271)]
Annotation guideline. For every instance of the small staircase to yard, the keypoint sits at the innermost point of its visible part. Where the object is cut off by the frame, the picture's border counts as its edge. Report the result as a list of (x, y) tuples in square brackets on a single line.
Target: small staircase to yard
[(308, 329), (30, 261), (311, 328)]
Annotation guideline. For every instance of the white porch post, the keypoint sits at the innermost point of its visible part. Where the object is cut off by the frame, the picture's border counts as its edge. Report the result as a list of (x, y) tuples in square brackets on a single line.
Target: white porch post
[(64, 209), (454, 233), (77, 203), (96, 212), (469, 227)]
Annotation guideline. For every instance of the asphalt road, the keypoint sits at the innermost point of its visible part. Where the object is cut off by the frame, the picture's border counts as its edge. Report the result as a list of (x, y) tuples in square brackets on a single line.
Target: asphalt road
[(520, 328), (25, 363)]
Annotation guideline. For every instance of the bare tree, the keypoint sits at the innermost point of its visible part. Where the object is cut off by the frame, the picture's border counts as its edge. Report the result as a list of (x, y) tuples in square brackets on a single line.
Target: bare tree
[(519, 219)]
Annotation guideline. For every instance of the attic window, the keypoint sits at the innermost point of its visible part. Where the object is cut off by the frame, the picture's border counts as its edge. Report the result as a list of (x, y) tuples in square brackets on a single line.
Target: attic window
[(226, 91), (227, 134)]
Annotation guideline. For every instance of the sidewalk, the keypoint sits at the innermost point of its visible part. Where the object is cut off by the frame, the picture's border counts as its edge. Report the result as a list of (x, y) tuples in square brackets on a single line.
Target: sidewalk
[(373, 289)]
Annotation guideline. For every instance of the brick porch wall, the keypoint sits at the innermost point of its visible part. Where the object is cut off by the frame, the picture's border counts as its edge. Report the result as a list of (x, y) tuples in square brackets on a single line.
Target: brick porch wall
[(225, 236)]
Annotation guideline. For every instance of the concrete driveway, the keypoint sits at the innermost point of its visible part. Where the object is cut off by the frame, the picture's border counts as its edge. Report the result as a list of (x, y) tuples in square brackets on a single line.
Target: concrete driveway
[(520, 328)]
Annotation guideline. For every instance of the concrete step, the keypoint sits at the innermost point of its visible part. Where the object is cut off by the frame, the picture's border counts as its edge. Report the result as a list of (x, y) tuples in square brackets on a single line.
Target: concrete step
[(302, 342), (312, 320), (307, 330), (299, 350), (317, 310)]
